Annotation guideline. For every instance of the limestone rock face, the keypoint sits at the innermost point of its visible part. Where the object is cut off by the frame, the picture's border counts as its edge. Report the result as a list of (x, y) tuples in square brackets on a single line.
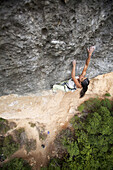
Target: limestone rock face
[(39, 39)]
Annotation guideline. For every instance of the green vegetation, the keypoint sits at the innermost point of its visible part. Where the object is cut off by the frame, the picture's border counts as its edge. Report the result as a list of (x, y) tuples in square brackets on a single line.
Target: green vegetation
[(8, 146), (4, 127), (42, 136), (81, 107), (18, 135), (107, 94), (16, 164), (89, 146), (19, 131), (3, 120), (32, 124)]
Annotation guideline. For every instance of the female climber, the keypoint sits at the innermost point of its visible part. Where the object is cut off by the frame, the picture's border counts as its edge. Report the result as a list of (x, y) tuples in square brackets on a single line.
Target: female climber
[(82, 81), (77, 82)]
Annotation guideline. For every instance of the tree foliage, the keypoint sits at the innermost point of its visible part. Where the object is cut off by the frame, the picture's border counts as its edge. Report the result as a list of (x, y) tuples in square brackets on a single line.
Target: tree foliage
[(8, 146), (91, 144), (16, 164)]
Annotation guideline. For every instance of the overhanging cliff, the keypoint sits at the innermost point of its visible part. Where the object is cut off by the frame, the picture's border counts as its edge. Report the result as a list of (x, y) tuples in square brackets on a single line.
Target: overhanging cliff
[(39, 39)]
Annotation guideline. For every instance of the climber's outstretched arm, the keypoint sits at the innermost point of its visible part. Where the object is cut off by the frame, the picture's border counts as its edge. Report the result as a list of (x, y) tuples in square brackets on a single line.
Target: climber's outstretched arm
[(73, 75), (90, 51)]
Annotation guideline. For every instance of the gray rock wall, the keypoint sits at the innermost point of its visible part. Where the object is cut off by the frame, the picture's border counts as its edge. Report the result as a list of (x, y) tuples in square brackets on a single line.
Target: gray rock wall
[(39, 40)]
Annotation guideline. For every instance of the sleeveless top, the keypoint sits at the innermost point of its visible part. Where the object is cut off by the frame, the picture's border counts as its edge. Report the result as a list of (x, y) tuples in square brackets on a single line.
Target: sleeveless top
[(70, 84)]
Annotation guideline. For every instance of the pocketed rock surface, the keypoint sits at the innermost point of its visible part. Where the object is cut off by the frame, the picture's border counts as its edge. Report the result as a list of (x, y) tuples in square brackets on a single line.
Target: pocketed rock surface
[(39, 39)]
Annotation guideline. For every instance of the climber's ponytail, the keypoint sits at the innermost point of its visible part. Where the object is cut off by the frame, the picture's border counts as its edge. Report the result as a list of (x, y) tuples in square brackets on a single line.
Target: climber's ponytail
[(84, 84)]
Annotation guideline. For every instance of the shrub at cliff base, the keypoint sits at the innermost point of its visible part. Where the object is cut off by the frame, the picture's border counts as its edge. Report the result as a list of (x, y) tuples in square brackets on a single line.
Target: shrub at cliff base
[(16, 164), (4, 127), (8, 146), (89, 146)]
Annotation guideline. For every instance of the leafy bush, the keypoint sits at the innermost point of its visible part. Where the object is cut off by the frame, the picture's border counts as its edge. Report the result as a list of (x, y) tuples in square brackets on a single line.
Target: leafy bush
[(16, 164), (106, 103), (90, 146), (108, 94), (92, 104), (9, 146), (93, 123), (81, 107), (4, 127), (32, 124)]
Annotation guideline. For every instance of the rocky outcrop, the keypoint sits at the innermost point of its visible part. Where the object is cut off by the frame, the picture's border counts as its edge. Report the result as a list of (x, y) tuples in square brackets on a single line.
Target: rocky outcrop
[(39, 39)]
